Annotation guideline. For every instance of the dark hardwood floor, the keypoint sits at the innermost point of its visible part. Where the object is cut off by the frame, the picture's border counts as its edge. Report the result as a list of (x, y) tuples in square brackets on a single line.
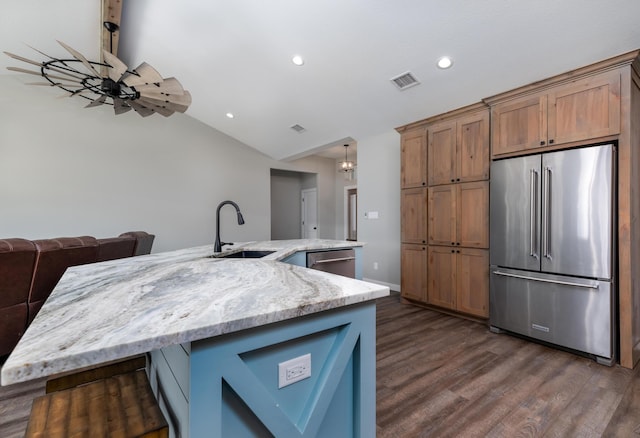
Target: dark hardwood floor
[(441, 376)]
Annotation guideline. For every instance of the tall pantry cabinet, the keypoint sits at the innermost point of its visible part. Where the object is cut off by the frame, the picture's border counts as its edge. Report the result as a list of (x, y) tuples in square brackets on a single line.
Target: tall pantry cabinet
[(445, 211)]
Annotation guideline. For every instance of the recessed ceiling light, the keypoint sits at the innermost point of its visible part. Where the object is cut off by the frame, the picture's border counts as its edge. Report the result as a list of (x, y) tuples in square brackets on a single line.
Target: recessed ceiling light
[(297, 60), (230, 115), (444, 62)]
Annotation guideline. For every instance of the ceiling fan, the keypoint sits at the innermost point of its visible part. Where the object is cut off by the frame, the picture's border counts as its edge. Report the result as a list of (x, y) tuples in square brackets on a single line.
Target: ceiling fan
[(110, 81)]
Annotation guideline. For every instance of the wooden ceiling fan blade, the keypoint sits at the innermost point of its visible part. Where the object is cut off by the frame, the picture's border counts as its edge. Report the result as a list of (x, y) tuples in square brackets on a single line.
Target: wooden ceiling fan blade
[(166, 112), (167, 86), (40, 52), (99, 101), (144, 111), (37, 73), (181, 99), (55, 84), (143, 74), (20, 58), (172, 106), (119, 106), (80, 58), (117, 67)]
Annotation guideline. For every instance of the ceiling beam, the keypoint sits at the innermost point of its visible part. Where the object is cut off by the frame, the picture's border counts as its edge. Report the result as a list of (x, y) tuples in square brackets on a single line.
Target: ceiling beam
[(111, 12)]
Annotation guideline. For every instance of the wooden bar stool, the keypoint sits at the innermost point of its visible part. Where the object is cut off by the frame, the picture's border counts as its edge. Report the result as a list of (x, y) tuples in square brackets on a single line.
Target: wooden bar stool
[(120, 405)]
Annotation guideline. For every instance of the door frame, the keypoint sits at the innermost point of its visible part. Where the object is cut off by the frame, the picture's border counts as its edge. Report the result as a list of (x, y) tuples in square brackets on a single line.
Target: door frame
[(345, 227)]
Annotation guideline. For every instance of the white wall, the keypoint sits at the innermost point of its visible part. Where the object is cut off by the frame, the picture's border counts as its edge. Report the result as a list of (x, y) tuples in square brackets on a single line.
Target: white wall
[(379, 190), (69, 171)]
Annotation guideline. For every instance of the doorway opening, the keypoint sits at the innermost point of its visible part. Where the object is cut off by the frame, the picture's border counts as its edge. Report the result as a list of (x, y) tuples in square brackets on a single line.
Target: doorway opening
[(351, 213), (286, 202)]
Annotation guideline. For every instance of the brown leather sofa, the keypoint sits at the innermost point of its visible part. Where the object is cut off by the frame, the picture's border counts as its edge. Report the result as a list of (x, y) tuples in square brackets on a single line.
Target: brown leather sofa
[(17, 259), (54, 257), (30, 270), (144, 241), (111, 248)]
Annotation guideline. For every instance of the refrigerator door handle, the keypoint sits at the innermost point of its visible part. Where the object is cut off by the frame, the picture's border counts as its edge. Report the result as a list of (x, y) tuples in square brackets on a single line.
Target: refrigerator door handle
[(545, 280), (546, 213), (533, 217)]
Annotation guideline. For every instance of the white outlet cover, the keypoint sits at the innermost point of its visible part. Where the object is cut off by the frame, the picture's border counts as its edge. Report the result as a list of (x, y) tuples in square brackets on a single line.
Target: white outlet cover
[(294, 370)]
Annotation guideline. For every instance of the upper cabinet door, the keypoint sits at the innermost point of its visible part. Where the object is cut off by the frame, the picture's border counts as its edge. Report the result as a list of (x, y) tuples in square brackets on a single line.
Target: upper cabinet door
[(586, 109), (458, 150), (519, 125), (473, 148), (442, 153), (413, 166), (578, 111)]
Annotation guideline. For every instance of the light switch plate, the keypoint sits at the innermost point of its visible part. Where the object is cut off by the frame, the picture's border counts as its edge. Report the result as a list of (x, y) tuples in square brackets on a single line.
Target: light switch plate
[(294, 370)]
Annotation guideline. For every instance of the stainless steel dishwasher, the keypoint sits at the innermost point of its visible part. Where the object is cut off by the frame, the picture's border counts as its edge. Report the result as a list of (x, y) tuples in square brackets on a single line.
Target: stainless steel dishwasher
[(340, 261)]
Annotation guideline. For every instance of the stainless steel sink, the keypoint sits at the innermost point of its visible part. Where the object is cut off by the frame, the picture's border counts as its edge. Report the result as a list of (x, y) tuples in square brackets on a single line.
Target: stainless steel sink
[(244, 254)]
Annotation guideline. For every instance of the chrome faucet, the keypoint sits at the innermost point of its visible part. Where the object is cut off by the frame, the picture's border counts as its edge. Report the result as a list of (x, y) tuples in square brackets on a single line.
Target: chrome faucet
[(218, 245)]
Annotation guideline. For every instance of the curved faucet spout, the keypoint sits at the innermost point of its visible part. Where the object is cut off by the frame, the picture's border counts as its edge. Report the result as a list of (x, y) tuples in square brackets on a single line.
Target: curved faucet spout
[(219, 244)]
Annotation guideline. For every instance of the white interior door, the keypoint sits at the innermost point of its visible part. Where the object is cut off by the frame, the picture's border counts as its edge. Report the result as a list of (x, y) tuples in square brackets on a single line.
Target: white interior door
[(309, 213)]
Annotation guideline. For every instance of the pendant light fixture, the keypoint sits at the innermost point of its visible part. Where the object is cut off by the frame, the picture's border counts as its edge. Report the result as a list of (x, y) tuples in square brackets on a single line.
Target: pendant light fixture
[(346, 166)]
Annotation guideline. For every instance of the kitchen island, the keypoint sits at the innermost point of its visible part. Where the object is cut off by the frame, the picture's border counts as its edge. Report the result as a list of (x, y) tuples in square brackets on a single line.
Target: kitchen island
[(216, 330)]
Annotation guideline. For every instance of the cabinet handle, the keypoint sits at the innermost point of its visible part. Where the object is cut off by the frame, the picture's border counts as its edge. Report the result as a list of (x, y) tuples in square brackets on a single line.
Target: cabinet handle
[(542, 143), (424, 241), (457, 179), (458, 243), (453, 243), (551, 141), (453, 251), (423, 248), (458, 251), (424, 183), (453, 180)]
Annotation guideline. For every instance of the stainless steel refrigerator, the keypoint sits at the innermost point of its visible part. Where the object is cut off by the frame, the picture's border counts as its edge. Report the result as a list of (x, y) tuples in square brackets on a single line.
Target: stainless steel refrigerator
[(552, 249)]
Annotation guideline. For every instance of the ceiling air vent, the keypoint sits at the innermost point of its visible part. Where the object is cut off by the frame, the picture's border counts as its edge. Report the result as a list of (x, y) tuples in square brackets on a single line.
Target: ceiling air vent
[(405, 80), (299, 129)]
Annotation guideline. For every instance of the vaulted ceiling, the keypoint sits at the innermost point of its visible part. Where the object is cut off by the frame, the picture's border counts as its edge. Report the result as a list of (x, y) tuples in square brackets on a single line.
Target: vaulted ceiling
[(235, 55)]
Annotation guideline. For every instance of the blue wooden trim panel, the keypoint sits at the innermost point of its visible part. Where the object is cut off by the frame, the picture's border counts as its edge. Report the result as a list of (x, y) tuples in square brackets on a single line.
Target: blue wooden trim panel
[(342, 346)]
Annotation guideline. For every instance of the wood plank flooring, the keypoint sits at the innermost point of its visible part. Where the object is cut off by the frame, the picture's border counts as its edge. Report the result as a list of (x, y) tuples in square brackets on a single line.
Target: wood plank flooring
[(441, 376)]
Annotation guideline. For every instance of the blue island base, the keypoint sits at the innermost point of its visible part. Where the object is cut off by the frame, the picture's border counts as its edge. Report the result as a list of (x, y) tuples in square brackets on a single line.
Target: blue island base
[(227, 386)]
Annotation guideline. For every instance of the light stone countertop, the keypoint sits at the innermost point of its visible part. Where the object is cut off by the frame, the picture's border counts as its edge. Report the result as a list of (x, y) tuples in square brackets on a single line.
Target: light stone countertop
[(112, 310)]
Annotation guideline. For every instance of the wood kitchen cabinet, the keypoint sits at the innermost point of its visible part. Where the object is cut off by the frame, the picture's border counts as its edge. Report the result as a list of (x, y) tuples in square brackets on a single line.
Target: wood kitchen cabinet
[(413, 163), (413, 206), (462, 282), (583, 109), (458, 149), (459, 215), (413, 279)]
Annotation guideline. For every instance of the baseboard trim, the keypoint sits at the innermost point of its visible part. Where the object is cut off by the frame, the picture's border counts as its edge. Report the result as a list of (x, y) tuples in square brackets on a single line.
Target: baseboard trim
[(393, 287)]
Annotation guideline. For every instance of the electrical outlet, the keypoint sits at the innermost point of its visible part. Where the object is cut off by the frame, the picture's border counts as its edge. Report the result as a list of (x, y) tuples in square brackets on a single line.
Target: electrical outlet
[(375, 266), (294, 370)]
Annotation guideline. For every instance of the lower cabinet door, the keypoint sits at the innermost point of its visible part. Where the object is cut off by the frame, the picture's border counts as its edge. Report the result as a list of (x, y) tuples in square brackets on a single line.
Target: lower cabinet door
[(442, 279), (472, 289), (413, 278)]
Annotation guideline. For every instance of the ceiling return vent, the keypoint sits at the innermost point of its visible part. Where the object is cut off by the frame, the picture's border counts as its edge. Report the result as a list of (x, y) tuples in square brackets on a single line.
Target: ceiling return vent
[(299, 129), (405, 80)]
